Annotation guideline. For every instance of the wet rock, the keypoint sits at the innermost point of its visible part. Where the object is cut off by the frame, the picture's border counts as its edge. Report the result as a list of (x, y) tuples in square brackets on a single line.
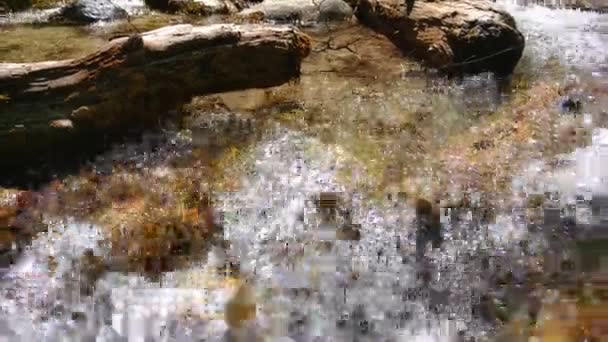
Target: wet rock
[(8, 247), (198, 7), (241, 308), (438, 299), (342, 320), (428, 225), (571, 105), (92, 268), (215, 131), (298, 325), (349, 232), (334, 10), (305, 11), (18, 223), (485, 309), (259, 43), (88, 12), (592, 5), (79, 316), (161, 5), (58, 311), (454, 36)]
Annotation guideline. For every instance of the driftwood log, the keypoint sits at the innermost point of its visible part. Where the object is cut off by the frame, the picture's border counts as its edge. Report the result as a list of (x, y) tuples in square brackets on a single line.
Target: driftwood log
[(50, 111), (454, 36)]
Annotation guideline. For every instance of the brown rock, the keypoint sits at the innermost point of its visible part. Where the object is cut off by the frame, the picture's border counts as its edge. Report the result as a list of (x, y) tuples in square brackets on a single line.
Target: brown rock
[(240, 308), (349, 232), (455, 36), (18, 222), (427, 211), (129, 85)]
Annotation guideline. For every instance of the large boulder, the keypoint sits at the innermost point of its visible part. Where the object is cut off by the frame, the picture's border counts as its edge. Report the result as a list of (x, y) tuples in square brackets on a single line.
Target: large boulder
[(452, 35), (68, 105), (88, 12), (300, 10)]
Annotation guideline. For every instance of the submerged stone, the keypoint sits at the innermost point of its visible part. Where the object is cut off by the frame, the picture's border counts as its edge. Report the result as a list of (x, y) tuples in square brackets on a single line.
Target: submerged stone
[(89, 11), (571, 105)]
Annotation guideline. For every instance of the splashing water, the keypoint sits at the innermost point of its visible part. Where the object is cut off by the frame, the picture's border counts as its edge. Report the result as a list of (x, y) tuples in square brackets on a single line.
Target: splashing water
[(576, 38)]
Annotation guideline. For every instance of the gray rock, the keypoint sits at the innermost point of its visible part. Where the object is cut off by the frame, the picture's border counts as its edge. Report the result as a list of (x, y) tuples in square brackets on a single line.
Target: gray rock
[(89, 11), (334, 10), (197, 7), (301, 10)]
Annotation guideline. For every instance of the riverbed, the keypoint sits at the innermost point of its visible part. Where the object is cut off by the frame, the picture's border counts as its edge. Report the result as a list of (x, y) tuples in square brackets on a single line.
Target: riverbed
[(349, 118)]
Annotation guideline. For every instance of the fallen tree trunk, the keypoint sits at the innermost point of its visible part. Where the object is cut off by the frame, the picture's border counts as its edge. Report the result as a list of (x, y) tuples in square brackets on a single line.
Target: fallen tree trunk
[(455, 36), (51, 110)]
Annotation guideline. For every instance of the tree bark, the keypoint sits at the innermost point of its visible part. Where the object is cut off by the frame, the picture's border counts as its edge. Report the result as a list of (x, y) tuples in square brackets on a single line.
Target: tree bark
[(51, 110)]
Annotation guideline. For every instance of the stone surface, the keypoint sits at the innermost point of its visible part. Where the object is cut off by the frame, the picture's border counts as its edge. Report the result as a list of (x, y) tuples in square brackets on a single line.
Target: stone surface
[(89, 11), (158, 70), (592, 5), (454, 36), (301, 10), (198, 7)]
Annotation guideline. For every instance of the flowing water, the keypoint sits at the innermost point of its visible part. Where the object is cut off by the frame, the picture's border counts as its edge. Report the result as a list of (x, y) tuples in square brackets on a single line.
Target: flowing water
[(333, 132)]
